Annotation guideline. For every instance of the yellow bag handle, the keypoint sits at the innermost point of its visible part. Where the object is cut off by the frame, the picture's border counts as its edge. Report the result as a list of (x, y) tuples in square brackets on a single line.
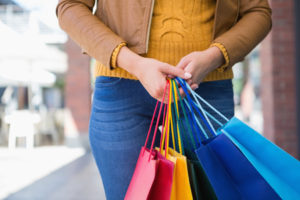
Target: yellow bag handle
[(166, 128), (177, 111), (169, 121)]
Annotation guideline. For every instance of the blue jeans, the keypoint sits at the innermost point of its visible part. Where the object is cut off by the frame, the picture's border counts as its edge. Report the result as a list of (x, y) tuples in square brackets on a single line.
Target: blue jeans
[(119, 121)]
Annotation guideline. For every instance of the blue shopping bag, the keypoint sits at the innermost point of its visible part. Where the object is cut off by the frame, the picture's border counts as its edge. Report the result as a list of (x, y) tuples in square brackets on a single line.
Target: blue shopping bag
[(279, 169), (230, 173)]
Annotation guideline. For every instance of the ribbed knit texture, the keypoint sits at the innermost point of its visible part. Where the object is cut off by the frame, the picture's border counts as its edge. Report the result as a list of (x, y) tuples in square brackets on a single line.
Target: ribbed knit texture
[(178, 28)]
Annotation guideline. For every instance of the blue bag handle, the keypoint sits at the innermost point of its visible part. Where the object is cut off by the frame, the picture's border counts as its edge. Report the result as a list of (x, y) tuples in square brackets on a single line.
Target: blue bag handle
[(195, 95), (190, 120), (188, 123), (201, 108), (192, 105), (208, 114), (197, 121), (197, 133)]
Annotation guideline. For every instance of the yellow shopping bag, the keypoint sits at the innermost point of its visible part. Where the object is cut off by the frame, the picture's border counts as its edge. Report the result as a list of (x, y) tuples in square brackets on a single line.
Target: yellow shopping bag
[(181, 188)]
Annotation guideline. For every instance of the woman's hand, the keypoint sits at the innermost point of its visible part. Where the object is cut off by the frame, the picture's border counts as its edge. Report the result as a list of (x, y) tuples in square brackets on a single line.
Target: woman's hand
[(151, 72), (200, 63)]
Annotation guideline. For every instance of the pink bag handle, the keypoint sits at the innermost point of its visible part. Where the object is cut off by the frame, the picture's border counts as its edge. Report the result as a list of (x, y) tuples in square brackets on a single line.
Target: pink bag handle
[(156, 126), (168, 123), (165, 127)]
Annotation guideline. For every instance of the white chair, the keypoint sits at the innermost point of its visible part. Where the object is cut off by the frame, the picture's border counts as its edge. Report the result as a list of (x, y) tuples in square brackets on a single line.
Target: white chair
[(22, 124)]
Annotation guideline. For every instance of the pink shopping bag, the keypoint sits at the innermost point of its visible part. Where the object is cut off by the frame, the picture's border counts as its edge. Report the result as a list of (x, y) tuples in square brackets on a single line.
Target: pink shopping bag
[(153, 175)]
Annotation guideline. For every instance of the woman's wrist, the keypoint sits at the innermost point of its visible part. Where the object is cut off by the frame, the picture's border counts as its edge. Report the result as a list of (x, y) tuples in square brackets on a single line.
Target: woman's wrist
[(216, 57), (129, 60)]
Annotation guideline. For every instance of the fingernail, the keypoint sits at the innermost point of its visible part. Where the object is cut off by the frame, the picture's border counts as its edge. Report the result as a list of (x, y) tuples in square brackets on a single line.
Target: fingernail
[(187, 75)]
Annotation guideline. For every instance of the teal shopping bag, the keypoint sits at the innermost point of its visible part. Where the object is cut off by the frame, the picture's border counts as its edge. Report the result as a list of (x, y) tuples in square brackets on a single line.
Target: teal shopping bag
[(280, 170)]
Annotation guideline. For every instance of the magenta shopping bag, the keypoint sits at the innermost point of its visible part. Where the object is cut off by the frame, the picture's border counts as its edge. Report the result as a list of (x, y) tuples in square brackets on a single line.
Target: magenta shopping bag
[(153, 175)]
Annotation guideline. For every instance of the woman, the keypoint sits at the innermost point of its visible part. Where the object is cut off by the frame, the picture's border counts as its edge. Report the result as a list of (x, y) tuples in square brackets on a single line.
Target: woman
[(137, 44)]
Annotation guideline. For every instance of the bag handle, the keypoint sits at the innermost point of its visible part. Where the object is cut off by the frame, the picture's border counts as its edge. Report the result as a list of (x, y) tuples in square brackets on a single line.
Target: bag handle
[(200, 135), (201, 108), (208, 104), (175, 106), (208, 114), (166, 127), (195, 119), (169, 124), (172, 122), (188, 122), (197, 96), (192, 104), (191, 119), (156, 126), (163, 126)]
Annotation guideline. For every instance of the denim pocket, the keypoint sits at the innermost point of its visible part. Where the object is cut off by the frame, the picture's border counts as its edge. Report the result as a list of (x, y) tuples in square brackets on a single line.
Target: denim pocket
[(106, 81)]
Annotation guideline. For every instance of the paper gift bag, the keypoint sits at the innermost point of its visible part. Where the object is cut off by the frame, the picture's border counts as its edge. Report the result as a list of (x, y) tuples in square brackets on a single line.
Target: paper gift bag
[(181, 186), (280, 170), (228, 170), (153, 175), (200, 185)]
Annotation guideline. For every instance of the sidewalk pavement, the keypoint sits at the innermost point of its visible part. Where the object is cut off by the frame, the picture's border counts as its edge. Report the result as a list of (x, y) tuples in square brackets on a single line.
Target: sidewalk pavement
[(77, 180)]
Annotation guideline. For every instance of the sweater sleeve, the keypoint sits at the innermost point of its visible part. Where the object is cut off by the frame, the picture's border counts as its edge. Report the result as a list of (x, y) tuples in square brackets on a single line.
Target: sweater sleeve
[(253, 25), (115, 55), (225, 54), (88, 31)]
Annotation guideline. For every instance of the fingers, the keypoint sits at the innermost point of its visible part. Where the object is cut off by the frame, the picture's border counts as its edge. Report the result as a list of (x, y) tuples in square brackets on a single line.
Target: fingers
[(182, 93), (166, 100), (159, 92), (194, 86), (176, 72), (182, 63), (171, 77)]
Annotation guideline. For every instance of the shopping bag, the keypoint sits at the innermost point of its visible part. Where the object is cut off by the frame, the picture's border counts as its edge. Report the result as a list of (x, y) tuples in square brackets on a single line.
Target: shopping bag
[(181, 186), (153, 175), (200, 185), (280, 170), (228, 170)]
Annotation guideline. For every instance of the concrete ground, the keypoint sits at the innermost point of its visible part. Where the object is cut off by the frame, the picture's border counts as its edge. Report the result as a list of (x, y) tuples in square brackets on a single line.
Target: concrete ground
[(78, 180)]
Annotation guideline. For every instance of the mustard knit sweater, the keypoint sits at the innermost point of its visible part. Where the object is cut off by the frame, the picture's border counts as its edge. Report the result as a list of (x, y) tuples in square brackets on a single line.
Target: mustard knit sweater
[(178, 28)]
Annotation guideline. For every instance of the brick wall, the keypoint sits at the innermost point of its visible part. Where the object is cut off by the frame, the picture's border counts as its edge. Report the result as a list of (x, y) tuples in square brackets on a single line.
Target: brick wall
[(77, 88), (279, 79)]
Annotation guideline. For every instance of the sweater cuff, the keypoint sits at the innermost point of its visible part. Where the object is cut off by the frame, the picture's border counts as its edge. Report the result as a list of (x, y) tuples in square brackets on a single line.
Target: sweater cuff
[(225, 54), (113, 61)]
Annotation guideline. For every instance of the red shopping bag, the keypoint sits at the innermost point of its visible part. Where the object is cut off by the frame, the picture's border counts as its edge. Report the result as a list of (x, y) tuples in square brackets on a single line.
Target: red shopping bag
[(153, 175), (152, 179)]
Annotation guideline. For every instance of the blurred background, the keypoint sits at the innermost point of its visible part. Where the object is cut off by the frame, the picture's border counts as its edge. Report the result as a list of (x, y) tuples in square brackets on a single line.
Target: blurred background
[(46, 87)]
